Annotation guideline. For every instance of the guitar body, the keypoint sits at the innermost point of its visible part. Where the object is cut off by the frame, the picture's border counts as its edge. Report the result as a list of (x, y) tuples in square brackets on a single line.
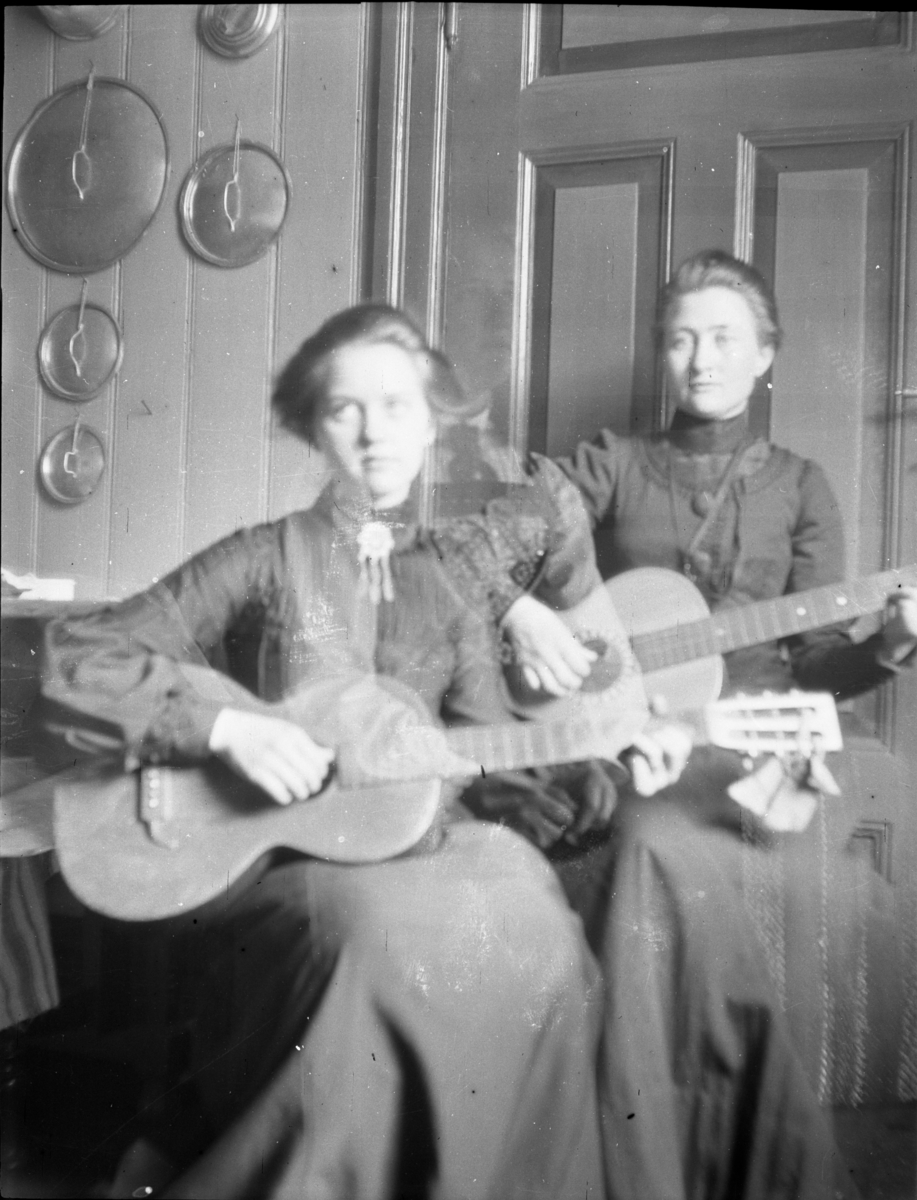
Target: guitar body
[(219, 826), (647, 600), (165, 840), (161, 841), (642, 601)]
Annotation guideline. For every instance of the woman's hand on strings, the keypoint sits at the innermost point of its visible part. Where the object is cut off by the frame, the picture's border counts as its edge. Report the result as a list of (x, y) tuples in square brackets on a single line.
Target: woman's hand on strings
[(271, 752), (550, 657)]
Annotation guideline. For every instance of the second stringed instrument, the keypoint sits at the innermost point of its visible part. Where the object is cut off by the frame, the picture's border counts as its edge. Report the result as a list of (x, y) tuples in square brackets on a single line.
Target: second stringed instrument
[(681, 660)]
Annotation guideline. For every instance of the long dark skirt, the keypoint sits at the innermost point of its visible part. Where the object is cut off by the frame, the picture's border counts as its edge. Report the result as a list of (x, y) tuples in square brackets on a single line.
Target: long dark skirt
[(702, 1092), (421, 1027)]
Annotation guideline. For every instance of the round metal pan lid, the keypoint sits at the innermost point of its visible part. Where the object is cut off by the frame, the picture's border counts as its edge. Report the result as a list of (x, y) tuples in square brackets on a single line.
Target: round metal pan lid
[(79, 351), (86, 175), (233, 203), (80, 22), (237, 30), (72, 463)]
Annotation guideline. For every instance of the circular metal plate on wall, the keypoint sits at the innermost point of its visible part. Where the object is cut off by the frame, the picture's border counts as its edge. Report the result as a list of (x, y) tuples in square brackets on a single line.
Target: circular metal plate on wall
[(86, 175), (233, 204), (72, 463), (77, 363), (238, 30), (80, 22)]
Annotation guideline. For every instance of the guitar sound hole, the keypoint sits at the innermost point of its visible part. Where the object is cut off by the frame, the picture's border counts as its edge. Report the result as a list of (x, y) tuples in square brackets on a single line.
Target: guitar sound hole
[(606, 669)]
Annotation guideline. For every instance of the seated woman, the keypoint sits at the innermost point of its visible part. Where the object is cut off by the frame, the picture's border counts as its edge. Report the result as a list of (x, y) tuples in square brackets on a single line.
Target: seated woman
[(424, 1026), (702, 1091)]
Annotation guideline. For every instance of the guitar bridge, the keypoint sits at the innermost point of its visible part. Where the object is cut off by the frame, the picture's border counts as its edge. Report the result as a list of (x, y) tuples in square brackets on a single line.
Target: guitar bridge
[(155, 806)]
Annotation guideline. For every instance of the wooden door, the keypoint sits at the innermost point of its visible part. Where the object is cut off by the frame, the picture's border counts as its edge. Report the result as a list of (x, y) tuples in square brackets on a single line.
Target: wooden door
[(541, 169)]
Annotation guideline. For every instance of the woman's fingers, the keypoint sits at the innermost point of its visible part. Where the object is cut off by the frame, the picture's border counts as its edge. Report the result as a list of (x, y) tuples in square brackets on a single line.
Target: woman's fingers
[(658, 758), (550, 656), (556, 679), (271, 752)]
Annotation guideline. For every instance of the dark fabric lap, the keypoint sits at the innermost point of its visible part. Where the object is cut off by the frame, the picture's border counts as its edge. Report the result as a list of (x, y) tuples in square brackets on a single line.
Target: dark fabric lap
[(702, 1092), (438, 1038)]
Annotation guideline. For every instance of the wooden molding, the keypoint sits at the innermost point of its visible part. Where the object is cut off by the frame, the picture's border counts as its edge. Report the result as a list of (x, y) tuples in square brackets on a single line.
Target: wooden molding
[(882, 30), (400, 151), (520, 370), (877, 837), (436, 272), (531, 43), (536, 167)]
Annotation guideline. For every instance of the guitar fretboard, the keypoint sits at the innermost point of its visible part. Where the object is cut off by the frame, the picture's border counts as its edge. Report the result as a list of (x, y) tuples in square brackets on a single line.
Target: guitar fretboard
[(767, 620), (453, 753), (525, 743)]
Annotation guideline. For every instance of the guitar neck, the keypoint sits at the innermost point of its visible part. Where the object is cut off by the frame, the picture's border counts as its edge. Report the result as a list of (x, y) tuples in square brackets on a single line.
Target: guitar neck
[(766, 724), (512, 747), (767, 620)]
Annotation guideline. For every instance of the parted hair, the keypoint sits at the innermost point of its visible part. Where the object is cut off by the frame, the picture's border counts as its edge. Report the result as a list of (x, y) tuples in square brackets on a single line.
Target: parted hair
[(716, 268), (301, 385)]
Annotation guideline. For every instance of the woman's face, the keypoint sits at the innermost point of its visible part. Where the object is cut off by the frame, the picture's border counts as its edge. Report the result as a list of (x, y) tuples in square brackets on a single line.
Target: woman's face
[(374, 424), (712, 353)]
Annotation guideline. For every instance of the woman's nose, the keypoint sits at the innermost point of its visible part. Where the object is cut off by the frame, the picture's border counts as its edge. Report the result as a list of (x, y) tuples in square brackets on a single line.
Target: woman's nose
[(370, 425), (703, 354)]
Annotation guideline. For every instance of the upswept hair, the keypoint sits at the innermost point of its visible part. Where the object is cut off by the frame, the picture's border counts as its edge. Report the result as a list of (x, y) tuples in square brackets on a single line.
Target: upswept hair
[(716, 268), (301, 385)]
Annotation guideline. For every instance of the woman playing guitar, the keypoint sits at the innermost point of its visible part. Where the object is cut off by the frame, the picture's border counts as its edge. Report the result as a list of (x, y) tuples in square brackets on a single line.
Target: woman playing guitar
[(702, 1093), (425, 1025)]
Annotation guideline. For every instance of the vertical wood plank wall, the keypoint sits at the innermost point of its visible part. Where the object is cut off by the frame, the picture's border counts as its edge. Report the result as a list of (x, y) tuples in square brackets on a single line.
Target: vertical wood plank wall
[(191, 450)]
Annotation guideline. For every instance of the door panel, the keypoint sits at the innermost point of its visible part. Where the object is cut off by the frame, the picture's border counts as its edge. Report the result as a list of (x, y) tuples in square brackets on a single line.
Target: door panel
[(587, 149), (593, 361)]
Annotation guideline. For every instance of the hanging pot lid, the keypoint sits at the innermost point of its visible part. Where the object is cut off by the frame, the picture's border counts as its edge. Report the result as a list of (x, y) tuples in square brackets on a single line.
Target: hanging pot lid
[(233, 203), (80, 22), (87, 174), (72, 464), (237, 30), (79, 351)]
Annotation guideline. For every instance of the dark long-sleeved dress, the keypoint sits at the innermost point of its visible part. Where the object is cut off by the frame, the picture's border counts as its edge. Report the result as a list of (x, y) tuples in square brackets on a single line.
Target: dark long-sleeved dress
[(702, 1091), (424, 1026)]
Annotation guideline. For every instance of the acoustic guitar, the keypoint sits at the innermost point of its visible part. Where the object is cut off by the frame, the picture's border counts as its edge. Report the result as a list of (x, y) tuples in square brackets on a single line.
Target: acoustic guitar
[(164, 840), (681, 662)]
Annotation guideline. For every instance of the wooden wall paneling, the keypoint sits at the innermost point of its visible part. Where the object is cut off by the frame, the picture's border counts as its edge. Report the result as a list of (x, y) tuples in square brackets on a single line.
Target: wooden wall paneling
[(824, 215), (192, 452), (231, 332), (487, 75), (321, 254), (73, 540), (27, 82), (152, 401), (845, 316)]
